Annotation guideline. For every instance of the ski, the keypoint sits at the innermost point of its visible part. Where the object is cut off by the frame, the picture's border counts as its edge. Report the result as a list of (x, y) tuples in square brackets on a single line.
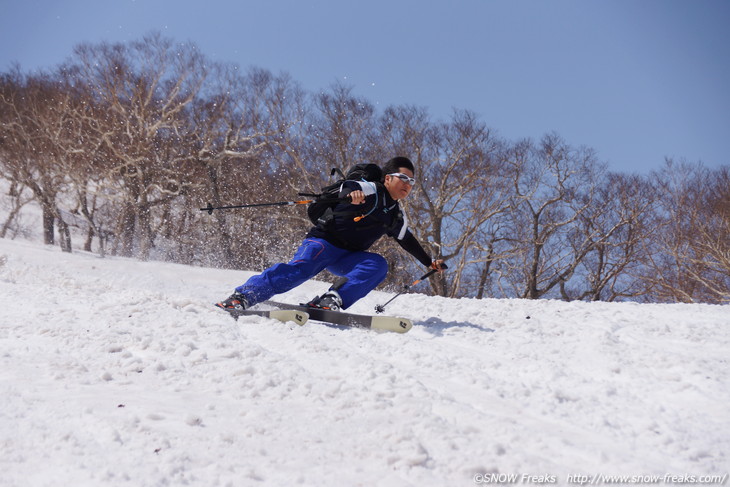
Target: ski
[(299, 317), (385, 323)]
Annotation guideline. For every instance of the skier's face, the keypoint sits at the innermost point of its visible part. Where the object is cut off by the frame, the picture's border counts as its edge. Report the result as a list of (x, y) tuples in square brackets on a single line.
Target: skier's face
[(398, 184)]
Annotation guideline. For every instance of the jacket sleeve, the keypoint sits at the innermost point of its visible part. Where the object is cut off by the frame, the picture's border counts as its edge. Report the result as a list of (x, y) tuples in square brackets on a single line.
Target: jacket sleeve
[(365, 186), (368, 188), (411, 245)]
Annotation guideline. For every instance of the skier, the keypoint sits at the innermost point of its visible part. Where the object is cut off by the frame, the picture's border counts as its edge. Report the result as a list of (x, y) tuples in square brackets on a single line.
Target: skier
[(341, 245)]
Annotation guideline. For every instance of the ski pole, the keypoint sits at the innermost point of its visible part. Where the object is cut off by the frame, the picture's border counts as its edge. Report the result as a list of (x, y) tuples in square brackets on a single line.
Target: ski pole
[(381, 307), (318, 195), (210, 207)]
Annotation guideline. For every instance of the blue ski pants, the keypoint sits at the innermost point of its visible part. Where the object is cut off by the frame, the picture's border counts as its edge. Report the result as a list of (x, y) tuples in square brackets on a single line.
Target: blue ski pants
[(364, 270)]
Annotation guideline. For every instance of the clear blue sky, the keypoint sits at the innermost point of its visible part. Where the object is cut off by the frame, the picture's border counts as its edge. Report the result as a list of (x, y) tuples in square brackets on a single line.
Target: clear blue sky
[(637, 80)]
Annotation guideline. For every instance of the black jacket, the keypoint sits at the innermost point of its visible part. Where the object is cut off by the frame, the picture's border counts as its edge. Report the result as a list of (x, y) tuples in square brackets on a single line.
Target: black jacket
[(381, 215)]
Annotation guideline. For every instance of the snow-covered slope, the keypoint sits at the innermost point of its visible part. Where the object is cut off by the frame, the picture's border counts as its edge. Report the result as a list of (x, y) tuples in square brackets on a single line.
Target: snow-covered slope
[(118, 372)]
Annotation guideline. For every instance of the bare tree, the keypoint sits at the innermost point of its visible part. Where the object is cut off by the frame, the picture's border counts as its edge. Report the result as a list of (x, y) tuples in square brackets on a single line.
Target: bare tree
[(688, 257), (614, 228), (36, 143), (713, 235), (472, 196), (146, 87), (553, 186), (335, 129), (341, 129), (231, 129), (457, 193), (17, 200)]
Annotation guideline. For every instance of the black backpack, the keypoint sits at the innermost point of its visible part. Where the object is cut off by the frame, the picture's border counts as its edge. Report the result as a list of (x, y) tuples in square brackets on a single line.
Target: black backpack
[(321, 211)]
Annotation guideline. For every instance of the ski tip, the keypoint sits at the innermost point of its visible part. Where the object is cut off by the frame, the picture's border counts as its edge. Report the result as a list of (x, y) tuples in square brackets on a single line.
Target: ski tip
[(298, 317), (388, 323)]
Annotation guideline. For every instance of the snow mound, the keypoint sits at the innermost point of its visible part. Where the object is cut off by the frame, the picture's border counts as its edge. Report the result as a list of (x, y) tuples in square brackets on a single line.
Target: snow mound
[(118, 372)]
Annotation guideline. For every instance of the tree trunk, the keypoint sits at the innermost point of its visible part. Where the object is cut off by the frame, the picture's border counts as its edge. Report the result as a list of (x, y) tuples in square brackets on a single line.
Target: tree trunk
[(125, 234), (48, 224), (64, 235)]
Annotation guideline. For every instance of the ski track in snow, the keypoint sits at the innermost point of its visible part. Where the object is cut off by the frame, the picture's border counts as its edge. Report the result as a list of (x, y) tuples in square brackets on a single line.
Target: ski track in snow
[(120, 372)]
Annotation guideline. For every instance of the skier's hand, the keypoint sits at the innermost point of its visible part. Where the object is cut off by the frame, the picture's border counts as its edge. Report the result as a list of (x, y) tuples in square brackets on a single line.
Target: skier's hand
[(438, 265), (357, 197)]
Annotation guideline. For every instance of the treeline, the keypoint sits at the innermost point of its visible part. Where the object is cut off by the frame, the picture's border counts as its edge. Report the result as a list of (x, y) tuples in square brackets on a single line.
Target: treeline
[(126, 142)]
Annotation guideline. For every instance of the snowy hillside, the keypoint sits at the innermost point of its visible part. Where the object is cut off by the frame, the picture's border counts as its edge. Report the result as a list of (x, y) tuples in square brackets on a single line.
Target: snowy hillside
[(115, 372)]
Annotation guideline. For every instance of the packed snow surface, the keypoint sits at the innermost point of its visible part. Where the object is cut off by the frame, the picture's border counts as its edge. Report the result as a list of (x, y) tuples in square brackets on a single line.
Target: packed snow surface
[(117, 372)]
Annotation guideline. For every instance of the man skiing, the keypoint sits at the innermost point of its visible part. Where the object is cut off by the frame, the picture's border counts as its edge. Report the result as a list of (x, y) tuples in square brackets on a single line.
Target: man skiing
[(340, 245)]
